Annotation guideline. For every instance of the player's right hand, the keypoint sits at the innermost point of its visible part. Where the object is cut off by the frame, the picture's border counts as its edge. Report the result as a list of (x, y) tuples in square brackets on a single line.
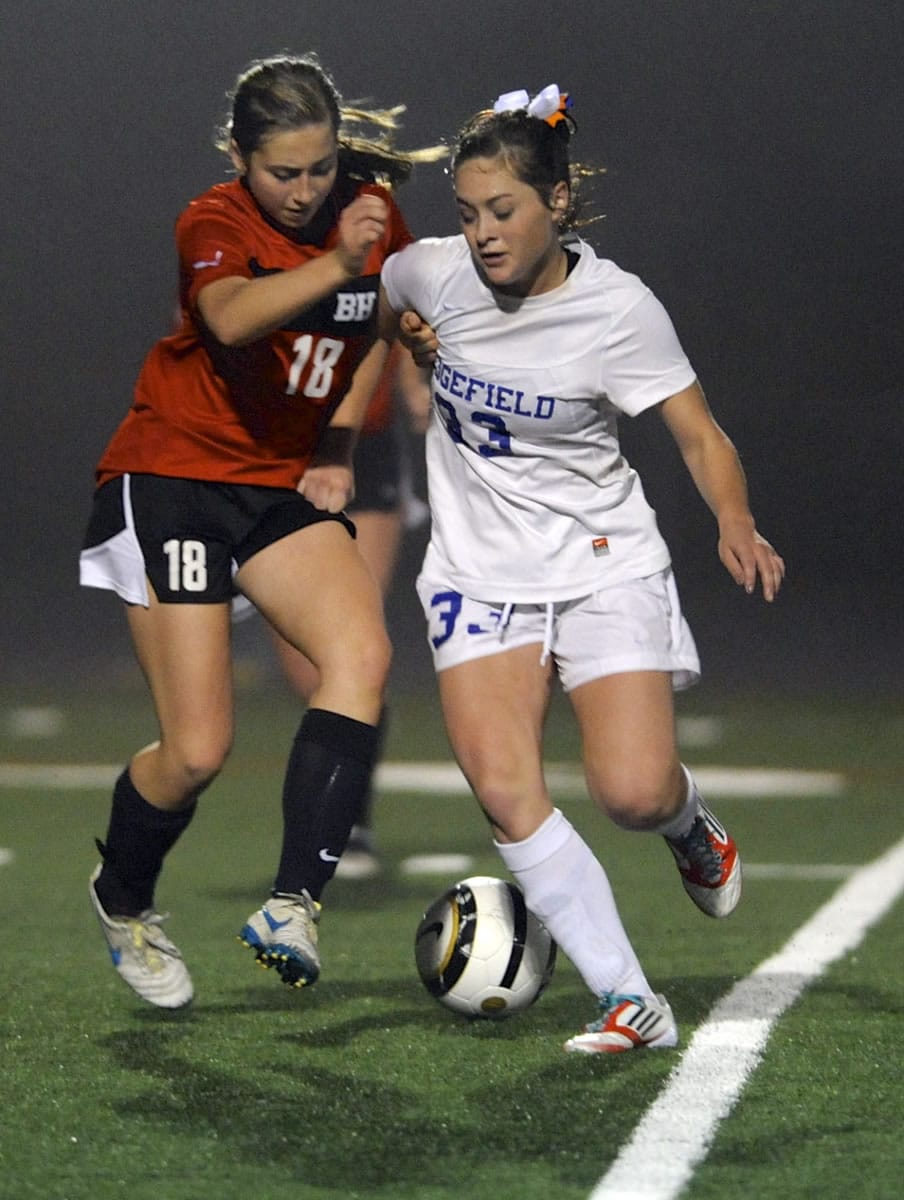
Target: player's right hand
[(361, 224), (418, 337), (330, 486)]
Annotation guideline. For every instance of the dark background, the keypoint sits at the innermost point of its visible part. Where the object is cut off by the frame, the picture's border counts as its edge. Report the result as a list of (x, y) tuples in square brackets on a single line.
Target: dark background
[(754, 180)]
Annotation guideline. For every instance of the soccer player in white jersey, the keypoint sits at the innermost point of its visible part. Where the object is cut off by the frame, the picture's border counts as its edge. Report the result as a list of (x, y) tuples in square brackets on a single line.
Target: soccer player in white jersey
[(545, 560)]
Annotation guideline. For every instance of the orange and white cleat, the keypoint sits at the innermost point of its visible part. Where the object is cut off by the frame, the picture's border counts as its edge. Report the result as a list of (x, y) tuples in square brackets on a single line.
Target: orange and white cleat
[(710, 865), (627, 1023)]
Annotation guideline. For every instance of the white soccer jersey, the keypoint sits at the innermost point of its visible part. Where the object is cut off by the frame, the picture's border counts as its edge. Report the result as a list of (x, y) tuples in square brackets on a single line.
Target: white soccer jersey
[(530, 498)]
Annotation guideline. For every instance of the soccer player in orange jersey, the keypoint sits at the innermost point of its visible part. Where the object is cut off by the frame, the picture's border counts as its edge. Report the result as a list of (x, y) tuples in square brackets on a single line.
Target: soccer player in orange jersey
[(230, 472)]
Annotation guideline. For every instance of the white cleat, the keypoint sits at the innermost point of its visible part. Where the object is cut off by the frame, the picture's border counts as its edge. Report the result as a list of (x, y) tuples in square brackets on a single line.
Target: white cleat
[(710, 865), (283, 934), (627, 1023), (143, 955)]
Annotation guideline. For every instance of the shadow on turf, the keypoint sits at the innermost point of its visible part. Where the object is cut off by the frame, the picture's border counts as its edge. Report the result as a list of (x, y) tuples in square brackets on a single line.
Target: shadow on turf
[(402, 1002), (357, 1122), (339, 1130)]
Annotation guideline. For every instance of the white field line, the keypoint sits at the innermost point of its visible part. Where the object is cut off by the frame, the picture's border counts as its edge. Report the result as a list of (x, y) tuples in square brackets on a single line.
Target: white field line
[(676, 1132), (811, 872), (568, 780), (564, 779)]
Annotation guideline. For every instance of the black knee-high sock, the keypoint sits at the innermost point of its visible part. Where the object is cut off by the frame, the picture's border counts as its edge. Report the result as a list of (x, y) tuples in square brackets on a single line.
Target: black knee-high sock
[(329, 771), (138, 838), (363, 816)]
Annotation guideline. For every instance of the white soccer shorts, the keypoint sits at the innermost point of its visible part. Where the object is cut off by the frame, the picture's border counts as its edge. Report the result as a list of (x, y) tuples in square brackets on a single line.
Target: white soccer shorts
[(632, 626)]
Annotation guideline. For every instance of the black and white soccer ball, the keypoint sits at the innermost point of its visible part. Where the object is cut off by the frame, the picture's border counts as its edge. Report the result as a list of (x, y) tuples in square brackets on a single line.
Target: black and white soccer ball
[(481, 952)]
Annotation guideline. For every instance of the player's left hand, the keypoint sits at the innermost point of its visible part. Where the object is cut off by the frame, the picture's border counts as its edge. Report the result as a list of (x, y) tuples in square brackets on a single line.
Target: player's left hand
[(418, 338), (746, 554), (329, 487)]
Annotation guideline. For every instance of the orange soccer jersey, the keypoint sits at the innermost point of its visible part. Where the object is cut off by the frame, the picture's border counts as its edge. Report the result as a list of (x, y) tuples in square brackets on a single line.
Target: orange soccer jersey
[(248, 414)]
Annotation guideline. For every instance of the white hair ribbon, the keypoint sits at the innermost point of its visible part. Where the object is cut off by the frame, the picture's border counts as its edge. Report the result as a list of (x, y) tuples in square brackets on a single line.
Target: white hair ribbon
[(543, 105), (512, 101)]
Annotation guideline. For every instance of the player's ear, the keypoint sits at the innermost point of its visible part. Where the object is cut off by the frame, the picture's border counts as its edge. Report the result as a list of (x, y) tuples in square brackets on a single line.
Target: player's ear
[(236, 155), (559, 199)]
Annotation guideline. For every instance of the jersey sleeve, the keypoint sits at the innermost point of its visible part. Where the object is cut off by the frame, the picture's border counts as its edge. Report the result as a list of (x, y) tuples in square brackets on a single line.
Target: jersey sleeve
[(644, 363), (407, 277), (210, 245)]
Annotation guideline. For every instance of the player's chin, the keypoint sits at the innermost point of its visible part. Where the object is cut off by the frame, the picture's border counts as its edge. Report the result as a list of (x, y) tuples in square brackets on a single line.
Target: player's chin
[(504, 277), (497, 268)]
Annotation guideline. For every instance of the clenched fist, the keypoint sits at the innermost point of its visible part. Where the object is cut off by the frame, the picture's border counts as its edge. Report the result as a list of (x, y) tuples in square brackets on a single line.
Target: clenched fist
[(360, 225)]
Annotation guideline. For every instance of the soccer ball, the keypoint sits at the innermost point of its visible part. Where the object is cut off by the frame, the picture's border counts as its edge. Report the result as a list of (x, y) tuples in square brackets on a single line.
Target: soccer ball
[(481, 952)]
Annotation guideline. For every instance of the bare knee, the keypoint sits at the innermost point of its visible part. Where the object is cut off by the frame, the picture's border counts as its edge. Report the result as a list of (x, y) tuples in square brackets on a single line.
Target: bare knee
[(355, 673), (373, 660), (643, 798), (191, 763), (512, 796)]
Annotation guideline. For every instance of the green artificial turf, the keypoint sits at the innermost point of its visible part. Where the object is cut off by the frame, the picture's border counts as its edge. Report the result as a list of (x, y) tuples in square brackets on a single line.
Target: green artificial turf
[(363, 1086)]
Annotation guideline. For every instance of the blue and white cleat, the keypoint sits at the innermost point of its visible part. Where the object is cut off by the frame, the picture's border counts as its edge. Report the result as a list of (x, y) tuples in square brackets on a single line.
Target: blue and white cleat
[(283, 934), (143, 955)]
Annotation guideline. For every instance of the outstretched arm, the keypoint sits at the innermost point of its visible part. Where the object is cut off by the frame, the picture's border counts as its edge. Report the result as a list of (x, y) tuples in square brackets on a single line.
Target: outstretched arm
[(712, 460)]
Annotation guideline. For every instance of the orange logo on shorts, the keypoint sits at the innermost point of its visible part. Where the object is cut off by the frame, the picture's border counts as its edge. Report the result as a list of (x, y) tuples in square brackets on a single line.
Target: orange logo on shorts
[(600, 546)]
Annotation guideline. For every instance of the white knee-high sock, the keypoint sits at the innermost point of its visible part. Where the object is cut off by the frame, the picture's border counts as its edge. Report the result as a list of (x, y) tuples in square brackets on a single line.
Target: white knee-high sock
[(566, 887), (681, 824)]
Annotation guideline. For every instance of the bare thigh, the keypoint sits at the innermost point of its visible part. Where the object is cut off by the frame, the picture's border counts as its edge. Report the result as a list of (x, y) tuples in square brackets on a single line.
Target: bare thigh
[(377, 543), (184, 652), (317, 592), (495, 708), (631, 759), (379, 534)]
